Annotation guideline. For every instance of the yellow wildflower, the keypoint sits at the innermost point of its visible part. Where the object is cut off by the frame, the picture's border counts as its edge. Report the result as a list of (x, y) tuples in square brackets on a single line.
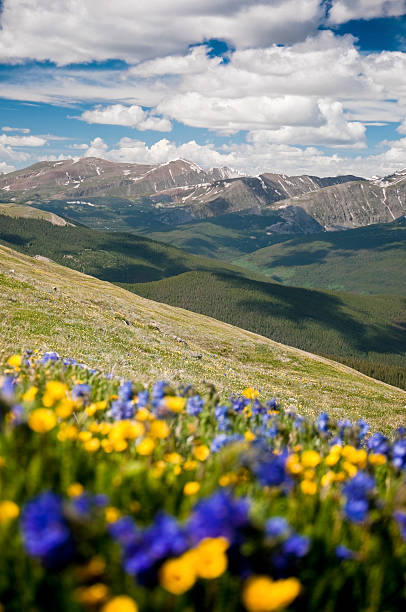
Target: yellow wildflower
[(191, 488), (54, 391), (65, 408), (112, 514), (92, 446), (29, 395), (293, 464), (249, 436), (177, 575), (143, 414), (75, 489), (85, 436), (42, 420), (67, 432), (310, 458), (119, 445), (146, 446), (175, 404), (250, 393), (376, 459), (190, 465), (14, 361), (92, 595), (308, 487), (327, 479), (173, 458), (159, 429), (349, 468), (210, 558), (262, 594), (121, 603), (201, 452), (8, 511)]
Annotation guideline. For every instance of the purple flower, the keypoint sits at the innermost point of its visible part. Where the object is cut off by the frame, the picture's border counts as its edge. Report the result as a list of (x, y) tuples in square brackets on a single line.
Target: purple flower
[(46, 533)]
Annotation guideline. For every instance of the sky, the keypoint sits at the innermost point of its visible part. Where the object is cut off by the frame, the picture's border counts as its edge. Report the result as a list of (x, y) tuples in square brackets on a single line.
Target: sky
[(289, 86)]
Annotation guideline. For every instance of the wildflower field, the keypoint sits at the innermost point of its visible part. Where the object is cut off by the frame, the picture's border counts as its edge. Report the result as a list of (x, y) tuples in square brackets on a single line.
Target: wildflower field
[(115, 497)]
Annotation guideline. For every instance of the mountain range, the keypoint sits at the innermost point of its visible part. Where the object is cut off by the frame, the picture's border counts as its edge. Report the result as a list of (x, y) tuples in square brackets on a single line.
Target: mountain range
[(180, 192)]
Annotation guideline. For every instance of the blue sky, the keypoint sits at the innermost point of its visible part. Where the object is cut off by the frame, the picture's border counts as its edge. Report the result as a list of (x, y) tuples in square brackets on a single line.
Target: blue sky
[(293, 86)]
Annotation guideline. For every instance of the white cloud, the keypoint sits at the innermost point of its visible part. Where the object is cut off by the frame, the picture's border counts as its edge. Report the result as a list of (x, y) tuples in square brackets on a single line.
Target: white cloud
[(132, 116), (97, 148), (85, 30), (345, 10), (5, 168), (7, 128), (22, 141), (255, 157)]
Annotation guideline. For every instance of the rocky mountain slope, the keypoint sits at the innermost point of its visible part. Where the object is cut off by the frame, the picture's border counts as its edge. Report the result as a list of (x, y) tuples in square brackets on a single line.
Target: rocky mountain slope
[(180, 191), (356, 203), (180, 183)]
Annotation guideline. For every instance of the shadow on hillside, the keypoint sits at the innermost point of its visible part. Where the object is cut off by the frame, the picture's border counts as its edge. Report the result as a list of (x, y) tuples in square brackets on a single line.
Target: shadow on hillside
[(307, 308)]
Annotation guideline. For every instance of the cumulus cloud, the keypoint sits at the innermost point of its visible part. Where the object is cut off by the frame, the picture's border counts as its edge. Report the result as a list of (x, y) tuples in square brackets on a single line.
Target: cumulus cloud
[(254, 157), (345, 10), (132, 116), (5, 168), (22, 141), (67, 31)]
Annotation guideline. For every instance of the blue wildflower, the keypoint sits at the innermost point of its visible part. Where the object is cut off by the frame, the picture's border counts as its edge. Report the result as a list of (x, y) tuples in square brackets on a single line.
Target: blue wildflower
[(322, 422), (82, 506), (276, 526), (343, 553), (46, 533), (222, 440), (400, 518), (356, 510), (270, 469), (50, 356), (194, 405), (81, 392), (378, 443), (399, 454), (7, 388), (218, 515), (142, 398), (125, 391), (121, 410), (296, 546), (239, 402)]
